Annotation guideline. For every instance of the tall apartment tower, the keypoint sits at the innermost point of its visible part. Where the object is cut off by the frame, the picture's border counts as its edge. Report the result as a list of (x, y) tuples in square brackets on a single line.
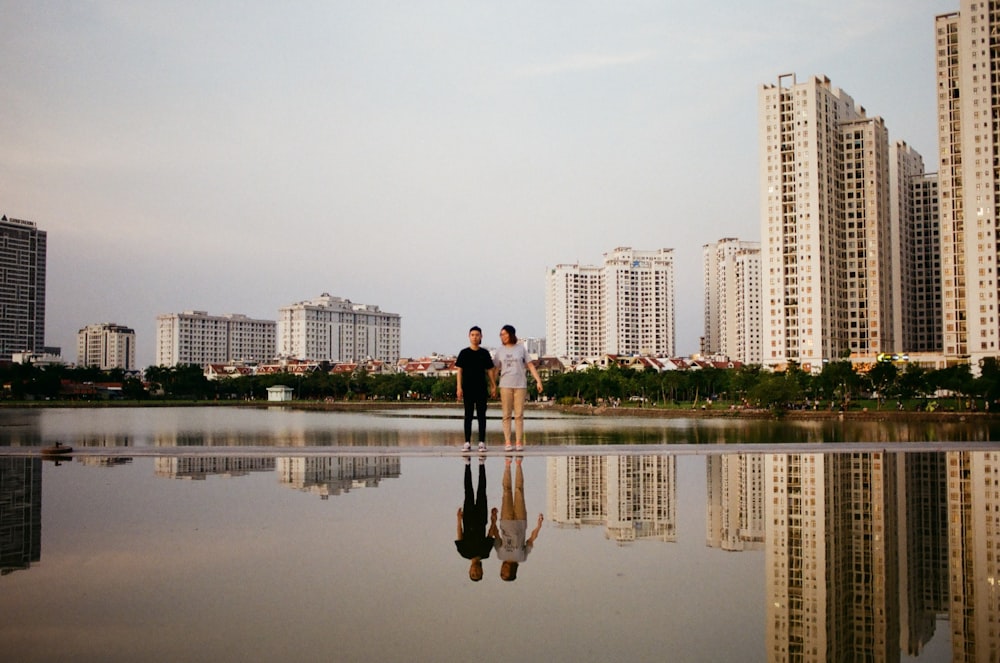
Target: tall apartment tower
[(335, 329), (639, 302), (22, 287), (969, 190), (732, 299), (916, 276), (573, 311), (826, 255), (106, 346), (625, 306), (195, 337)]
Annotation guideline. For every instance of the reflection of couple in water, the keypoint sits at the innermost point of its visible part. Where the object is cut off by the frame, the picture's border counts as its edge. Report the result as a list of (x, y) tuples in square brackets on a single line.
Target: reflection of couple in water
[(508, 537)]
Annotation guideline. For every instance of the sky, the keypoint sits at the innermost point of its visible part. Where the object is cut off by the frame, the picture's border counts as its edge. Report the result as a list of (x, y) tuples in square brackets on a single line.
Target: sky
[(432, 158)]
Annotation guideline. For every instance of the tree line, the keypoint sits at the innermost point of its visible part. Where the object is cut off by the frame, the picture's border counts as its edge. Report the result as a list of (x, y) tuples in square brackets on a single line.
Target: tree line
[(837, 386)]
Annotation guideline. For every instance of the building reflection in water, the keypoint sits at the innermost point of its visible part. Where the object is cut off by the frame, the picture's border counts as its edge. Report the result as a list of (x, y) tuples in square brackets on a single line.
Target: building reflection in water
[(290, 438), (923, 546), (864, 552), (323, 476), (200, 467), (974, 554), (634, 497), (333, 476), (735, 502), (20, 513), (831, 562)]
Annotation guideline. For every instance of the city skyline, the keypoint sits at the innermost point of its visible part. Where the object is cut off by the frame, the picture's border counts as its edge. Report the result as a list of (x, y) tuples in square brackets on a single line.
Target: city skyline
[(189, 158)]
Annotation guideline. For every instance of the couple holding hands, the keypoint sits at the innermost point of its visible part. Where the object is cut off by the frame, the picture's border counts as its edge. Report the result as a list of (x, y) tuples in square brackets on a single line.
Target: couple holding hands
[(507, 369)]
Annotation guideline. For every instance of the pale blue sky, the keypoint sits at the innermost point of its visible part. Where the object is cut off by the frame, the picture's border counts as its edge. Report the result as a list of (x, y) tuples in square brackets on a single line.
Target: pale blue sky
[(433, 158)]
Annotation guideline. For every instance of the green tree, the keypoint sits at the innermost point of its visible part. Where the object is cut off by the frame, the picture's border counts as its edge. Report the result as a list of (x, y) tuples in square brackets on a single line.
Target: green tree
[(776, 391), (838, 382), (883, 378), (957, 379), (912, 382)]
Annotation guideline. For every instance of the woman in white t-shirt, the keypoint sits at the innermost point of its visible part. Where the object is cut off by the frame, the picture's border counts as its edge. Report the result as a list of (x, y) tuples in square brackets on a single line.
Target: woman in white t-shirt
[(512, 363)]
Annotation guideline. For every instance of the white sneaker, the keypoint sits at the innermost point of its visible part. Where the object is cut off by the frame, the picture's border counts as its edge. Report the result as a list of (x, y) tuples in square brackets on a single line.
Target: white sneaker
[(466, 447), (482, 447)]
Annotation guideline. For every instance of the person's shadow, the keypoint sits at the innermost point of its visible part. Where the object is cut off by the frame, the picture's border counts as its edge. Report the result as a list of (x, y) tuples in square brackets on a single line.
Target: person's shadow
[(511, 543), (474, 542)]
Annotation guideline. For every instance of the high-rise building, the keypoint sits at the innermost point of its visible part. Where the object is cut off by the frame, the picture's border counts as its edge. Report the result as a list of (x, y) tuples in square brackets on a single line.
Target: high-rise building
[(22, 287), (639, 302), (573, 311), (826, 255), (626, 306), (916, 277), (732, 299), (195, 337), (106, 346), (969, 189), (337, 330)]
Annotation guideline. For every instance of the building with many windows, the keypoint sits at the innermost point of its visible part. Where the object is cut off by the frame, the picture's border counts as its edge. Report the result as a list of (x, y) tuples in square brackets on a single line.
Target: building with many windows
[(573, 311), (106, 346), (22, 287), (969, 188), (337, 330), (732, 300), (916, 239), (826, 247), (625, 306), (195, 337)]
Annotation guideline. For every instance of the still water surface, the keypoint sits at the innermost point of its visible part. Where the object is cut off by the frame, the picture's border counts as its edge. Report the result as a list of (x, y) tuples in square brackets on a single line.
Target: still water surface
[(233, 535)]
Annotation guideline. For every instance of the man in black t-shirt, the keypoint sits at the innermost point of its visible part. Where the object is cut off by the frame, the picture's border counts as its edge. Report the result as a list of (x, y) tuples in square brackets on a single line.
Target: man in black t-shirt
[(475, 370)]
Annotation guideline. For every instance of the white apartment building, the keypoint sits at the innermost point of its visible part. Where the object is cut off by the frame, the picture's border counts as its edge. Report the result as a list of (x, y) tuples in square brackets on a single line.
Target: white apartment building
[(639, 302), (969, 190), (195, 337), (731, 270), (536, 347), (626, 306), (826, 254), (574, 311), (337, 330), (107, 346)]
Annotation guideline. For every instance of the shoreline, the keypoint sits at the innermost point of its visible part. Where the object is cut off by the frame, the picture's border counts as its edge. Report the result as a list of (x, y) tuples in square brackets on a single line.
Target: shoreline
[(577, 410)]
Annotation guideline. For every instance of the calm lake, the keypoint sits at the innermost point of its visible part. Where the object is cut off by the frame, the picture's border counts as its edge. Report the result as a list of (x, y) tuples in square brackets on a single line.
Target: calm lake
[(243, 534)]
